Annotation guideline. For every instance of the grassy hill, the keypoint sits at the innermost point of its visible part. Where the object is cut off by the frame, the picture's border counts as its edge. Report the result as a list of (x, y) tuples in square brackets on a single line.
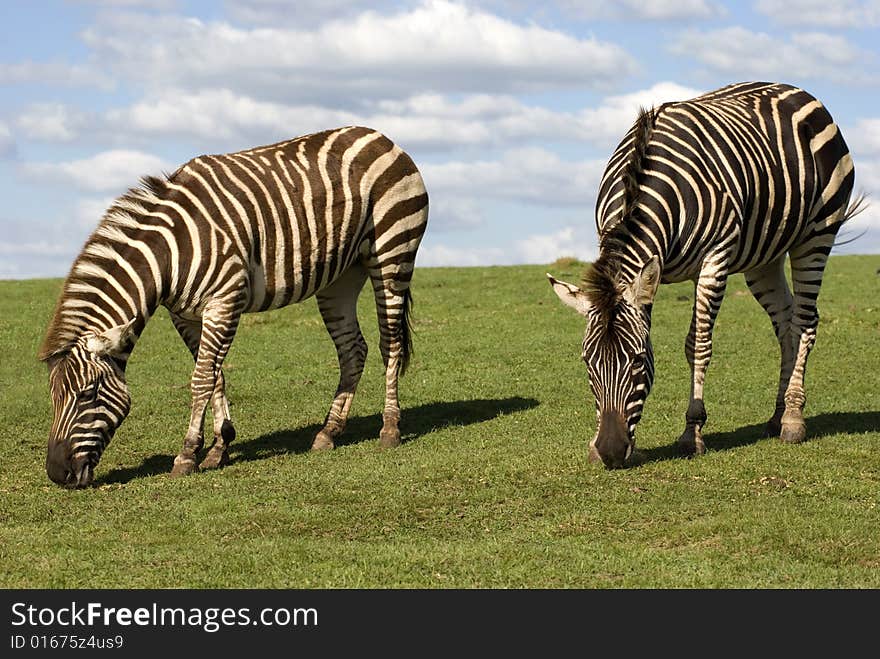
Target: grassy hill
[(491, 487)]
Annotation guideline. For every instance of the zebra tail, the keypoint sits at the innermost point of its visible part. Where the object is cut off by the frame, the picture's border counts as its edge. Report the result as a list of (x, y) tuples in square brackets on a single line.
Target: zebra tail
[(856, 206), (406, 342)]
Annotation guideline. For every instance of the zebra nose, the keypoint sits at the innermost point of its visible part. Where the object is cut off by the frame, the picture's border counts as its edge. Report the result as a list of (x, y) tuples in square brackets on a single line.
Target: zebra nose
[(612, 444), (82, 473), (58, 463)]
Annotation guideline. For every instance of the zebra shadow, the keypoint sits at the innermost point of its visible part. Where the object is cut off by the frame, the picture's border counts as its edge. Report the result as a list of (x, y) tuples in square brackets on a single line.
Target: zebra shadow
[(819, 426), (415, 422)]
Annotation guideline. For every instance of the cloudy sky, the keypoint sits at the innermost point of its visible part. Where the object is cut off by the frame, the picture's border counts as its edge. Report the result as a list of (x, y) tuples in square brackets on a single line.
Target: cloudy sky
[(510, 109)]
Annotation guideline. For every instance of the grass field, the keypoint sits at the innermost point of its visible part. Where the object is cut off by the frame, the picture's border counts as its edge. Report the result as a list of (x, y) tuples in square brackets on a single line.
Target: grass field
[(491, 488)]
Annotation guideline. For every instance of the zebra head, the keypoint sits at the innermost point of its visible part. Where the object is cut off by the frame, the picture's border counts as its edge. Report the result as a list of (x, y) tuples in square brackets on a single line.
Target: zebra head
[(617, 350), (90, 400)]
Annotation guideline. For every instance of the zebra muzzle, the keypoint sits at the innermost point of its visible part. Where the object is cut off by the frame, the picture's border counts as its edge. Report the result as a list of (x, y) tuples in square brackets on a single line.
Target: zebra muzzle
[(70, 473), (58, 466), (612, 445), (82, 475)]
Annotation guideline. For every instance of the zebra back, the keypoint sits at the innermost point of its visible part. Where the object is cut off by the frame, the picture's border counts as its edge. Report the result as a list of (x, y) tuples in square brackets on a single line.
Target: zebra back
[(281, 221), (769, 153)]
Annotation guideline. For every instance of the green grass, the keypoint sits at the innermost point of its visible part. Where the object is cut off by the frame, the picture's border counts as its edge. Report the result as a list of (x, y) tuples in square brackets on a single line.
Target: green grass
[(491, 487)]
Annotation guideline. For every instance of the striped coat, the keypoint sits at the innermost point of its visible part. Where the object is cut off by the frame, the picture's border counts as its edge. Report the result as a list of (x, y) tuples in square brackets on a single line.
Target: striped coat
[(225, 235), (736, 180)]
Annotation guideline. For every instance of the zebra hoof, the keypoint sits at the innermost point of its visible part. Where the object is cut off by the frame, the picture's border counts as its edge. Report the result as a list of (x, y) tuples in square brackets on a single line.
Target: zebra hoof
[(389, 438), (773, 428), (793, 433), (227, 432), (183, 467), (690, 443), (323, 442), (215, 459)]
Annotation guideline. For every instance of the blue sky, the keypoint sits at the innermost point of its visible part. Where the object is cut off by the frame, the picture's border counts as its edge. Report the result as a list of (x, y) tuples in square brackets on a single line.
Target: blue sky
[(510, 109)]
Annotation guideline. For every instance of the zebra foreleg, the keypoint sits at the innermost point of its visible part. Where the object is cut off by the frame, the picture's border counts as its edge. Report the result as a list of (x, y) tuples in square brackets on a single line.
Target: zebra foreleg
[(338, 306), (770, 289), (219, 322), (218, 454), (224, 432), (708, 294)]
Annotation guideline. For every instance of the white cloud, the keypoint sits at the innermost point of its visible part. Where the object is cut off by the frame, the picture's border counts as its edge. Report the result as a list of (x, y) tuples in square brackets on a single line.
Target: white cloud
[(531, 175), (128, 4), (822, 13), (302, 12), (53, 73), (568, 241), (450, 213), (34, 246), (743, 54), (113, 170), (431, 255), (535, 248), (34, 259), (426, 121), (654, 10), (89, 211), (607, 124), (220, 114), (864, 137), (864, 228), (7, 142), (499, 120), (437, 46), (51, 121), (434, 120), (868, 176)]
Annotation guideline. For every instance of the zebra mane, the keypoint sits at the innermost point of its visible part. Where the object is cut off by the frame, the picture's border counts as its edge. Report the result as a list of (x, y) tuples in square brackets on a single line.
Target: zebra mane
[(603, 287), (632, 170), (65, 328), (602, 280)]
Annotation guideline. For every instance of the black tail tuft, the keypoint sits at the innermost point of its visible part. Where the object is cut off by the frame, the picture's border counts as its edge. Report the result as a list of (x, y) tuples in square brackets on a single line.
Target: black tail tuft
[(856, 206), (406, 349)]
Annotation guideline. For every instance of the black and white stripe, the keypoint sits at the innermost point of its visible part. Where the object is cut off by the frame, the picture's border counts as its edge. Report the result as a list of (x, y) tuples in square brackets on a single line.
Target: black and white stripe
[(731, 181), (226, 235)]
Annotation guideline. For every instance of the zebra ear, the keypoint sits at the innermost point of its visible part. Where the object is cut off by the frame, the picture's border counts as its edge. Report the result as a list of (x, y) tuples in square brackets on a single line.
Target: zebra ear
[(644, 287), (570, 295), (111, 341)]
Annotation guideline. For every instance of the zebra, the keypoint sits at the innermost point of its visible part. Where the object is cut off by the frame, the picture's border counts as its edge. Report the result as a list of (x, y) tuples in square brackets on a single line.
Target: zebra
[(730, 181), (225, 235)]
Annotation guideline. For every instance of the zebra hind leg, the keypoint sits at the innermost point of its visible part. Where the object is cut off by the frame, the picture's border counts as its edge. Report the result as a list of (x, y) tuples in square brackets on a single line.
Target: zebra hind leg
[(392, 308), (224, 431), (770, 288), (338, 306), (807, 267)]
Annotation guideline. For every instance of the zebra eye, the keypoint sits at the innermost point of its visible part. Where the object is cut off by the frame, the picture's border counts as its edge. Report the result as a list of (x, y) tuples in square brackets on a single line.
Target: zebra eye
[(89, 394)]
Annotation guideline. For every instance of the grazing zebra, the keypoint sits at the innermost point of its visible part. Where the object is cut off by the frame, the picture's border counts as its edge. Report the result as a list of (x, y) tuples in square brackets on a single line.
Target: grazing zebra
[(225, 235), (727, 182)]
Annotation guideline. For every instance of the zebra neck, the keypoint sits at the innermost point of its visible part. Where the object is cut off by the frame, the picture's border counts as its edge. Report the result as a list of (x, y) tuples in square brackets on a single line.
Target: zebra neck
[(111, 284)]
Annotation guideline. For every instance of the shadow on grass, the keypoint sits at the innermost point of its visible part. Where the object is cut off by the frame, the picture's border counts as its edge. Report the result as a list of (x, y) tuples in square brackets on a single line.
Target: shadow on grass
[(819, 426), (415, 422), (155, 464)]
